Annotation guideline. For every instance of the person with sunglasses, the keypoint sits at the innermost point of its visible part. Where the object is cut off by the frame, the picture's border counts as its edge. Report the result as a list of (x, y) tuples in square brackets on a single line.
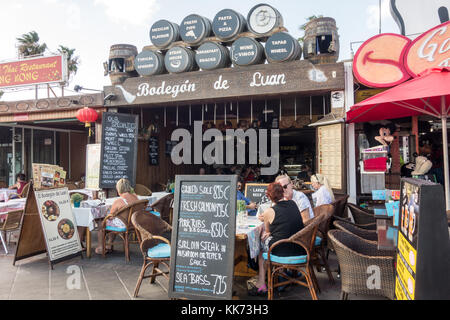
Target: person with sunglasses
[(324, 193), (300, 199)]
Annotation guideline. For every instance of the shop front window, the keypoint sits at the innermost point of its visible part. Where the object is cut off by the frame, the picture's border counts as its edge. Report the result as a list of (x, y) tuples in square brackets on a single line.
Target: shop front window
[(6, 155), (43, 146)]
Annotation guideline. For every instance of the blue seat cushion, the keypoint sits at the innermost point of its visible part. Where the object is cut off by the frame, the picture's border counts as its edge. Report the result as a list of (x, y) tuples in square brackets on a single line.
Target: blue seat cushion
[(109, 228), (161, 250), (318, 241), (286, 260), (156, 213)]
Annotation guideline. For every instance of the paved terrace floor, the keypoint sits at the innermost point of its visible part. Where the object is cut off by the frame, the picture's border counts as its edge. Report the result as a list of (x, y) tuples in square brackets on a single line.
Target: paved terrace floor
[(112, 278)]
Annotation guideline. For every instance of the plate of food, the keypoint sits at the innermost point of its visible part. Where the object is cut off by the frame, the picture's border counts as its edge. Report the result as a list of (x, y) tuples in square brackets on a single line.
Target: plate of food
[(66, 229), (50, 210)]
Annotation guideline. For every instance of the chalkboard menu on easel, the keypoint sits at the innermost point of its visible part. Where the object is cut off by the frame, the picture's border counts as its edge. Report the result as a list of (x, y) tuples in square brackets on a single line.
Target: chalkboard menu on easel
[(119, 149), (153, 151), (256, 192), (423, 248), (203, 237)]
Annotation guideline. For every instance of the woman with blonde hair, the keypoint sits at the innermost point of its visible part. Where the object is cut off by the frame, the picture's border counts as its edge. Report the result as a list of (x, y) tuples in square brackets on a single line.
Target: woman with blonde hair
[(324, 193)]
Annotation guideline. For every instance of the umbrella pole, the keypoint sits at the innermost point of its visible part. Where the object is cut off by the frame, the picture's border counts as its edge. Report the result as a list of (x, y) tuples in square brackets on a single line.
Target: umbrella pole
[(445, 151)]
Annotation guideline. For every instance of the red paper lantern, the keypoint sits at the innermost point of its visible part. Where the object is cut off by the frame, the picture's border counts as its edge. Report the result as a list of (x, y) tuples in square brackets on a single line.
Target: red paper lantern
[(87, 115)]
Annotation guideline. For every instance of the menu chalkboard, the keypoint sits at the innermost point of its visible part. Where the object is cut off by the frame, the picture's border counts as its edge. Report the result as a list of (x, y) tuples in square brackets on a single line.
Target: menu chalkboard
[(119, 149), (256, 192), (203, 237), (153, 151)]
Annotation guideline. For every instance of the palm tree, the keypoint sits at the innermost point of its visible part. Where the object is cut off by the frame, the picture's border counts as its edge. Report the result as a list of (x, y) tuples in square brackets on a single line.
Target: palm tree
[(72, 60), (303, 26), (29, 44)]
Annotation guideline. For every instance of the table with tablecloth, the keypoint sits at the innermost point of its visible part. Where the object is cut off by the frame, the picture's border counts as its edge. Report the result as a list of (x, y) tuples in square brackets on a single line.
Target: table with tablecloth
[(5, 193), (247, 234)]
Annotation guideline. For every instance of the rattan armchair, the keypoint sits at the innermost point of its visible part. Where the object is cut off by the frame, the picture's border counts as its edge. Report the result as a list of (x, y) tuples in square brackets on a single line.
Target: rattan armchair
[(360, 215), (365, 270), (155, 248), (369, 235), (142, 190), (320, 245), (340, 206), (300, 265), (23, 194), (163, 206), (11, 223), (125, 215)]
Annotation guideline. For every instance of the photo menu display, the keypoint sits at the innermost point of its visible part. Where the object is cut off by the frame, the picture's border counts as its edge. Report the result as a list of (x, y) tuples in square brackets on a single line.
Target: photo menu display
[(202, 253)]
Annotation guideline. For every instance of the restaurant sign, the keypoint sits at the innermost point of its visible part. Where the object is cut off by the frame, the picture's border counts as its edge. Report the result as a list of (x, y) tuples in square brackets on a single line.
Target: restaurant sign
[(34, 71), (387, 60)]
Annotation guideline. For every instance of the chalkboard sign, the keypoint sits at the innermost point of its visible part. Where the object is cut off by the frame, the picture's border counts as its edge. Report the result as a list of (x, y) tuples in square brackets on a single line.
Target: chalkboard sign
[(153, 151), (203, 237), (256, 192), (119, 149)]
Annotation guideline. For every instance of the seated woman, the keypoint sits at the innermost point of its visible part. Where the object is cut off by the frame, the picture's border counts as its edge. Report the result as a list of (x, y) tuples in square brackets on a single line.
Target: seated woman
[(21, 182), (324, 194), (126, 198), (280, 222)]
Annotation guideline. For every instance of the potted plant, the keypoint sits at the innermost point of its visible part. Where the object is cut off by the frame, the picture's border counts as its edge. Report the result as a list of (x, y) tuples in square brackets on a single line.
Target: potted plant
[(76, 199)]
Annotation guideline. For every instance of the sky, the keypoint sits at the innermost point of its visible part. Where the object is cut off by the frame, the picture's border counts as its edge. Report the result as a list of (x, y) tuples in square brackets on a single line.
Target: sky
[(92, 26)]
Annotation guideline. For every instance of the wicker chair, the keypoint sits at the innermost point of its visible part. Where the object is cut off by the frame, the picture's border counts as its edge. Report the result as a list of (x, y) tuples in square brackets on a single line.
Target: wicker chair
[(369, 235), (340, 206), (149, 229), (300, 265), (358, 260), (142, 190), (23, 194), (125, 215), (360, 215), (163, 206), (319, 256), (11, 223), (71, 186)]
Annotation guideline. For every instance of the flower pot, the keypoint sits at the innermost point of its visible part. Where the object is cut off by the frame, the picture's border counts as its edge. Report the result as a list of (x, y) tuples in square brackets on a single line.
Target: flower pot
[(77, 204)]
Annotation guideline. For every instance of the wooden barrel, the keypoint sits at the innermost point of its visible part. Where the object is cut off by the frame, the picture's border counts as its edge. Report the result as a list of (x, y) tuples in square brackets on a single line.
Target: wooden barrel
[(228, 24), (212, 55), (195, 28), (148, 63), (247, 51), (281, 47), (163, 33), (180, 59), (321, 41), (263, 19), (120, 64)]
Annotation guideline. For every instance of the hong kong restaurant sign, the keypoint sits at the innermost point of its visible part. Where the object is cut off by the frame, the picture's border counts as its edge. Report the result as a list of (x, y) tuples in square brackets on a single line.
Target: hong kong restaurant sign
[(387, 60), (33, 71), (230, 83)]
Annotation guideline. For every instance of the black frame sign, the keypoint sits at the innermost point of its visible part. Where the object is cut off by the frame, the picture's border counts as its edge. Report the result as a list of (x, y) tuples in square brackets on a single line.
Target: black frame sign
[(423, 247), (203, 237), (256, 192), (119, 148)]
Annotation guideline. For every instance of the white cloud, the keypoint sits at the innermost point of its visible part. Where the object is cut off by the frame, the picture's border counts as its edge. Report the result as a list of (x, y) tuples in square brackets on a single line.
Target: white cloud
[(74, 16), (135, 12), (373, 14)]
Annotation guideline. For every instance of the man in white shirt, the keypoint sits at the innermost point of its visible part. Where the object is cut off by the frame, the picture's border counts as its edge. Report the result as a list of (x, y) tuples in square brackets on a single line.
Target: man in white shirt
[(302, 201)]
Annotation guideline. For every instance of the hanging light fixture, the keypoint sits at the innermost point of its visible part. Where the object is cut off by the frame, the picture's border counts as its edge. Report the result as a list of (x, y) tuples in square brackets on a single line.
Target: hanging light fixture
[(87, 115)]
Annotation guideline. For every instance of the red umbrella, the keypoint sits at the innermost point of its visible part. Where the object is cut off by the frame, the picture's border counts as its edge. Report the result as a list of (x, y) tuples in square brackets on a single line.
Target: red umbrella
[(427, 94)]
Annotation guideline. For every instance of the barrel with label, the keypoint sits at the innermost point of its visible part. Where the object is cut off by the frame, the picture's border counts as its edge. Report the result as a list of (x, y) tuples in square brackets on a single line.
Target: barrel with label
[(163, 33), (120, 63), (228, 24), (211, 55), (179, 59), (282, 47), (263, 19), (321, 41), (195, 28), (247, 51), (148, 63)]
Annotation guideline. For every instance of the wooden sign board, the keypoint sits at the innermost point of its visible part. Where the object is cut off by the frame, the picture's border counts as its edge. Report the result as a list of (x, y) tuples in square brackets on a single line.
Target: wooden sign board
[(203, 237), (48, 226), (423, 248), (119, 149), (256, 192)]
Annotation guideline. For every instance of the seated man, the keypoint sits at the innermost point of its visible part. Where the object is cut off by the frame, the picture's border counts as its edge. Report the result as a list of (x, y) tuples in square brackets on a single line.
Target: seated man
[(251, 206), (302, 201)]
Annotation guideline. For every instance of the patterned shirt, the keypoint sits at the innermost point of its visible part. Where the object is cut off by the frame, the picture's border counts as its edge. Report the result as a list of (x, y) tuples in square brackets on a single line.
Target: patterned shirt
[(302, 202)]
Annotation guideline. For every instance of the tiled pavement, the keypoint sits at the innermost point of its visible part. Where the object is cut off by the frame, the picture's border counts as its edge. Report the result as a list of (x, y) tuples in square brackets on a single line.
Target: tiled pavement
[(112, 278)]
